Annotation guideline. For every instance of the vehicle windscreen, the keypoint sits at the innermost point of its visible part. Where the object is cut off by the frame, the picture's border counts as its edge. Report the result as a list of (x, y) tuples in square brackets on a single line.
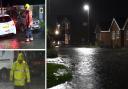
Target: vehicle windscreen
[(5, 19)]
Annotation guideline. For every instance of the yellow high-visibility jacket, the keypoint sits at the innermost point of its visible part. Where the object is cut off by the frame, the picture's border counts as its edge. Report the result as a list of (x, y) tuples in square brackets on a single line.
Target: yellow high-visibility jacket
[(19, 73)]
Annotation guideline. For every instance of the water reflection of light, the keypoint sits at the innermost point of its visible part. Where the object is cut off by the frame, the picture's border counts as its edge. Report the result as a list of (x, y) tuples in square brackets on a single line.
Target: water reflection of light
[(85, 67), (14, 44), (85, 50), (11, 44), (82, 62), (85, 60)]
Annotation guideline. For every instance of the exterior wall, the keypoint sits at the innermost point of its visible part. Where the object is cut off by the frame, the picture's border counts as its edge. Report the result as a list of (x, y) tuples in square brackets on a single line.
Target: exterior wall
[(105, 40), (115, 35), (122, 38), (112, 38), (126, 35), (42, 12), (38, 12), (126, 38), (115, 38)]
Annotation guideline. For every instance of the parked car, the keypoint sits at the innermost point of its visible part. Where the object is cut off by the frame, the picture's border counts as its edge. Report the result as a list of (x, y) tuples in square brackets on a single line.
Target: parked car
[(36, 24), (7, 25)]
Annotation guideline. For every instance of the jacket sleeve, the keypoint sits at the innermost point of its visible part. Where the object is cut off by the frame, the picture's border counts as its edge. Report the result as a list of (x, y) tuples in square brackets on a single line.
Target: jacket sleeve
[(30, 18), (12, 72), (27, 73)]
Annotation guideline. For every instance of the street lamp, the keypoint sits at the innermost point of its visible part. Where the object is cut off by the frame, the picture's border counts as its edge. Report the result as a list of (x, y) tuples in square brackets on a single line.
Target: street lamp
[(57, 32), (87, 8)]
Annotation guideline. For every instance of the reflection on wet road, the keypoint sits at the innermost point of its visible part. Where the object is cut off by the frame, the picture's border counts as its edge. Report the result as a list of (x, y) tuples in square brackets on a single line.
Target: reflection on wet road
[(36, 83), (18, 41), (96, 68)]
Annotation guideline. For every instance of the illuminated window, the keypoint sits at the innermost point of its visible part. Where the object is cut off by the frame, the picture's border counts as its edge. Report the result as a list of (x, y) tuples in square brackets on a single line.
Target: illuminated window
[(113, 35), (118, 34)]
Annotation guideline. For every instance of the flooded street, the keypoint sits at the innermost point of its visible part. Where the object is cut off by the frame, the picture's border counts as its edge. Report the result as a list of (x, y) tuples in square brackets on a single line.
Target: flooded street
[(95, 68), (18, 41), (36, 83)]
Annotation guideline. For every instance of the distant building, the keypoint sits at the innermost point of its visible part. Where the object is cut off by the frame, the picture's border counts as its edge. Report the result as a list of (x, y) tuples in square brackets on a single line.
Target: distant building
[(112, 34), (125, 39)]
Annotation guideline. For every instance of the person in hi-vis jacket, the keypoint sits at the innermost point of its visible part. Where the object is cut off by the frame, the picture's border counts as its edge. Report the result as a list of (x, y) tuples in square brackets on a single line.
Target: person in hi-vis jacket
[(19, 73)]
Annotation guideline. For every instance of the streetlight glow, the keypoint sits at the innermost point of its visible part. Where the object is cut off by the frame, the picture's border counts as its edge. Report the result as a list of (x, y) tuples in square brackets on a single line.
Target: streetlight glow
[(57, 32), (58, 25), (86, 7)]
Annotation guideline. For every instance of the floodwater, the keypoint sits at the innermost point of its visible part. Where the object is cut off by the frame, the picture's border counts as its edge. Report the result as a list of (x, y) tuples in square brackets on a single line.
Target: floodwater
[(18, 41), (95, 68), (36, 83)]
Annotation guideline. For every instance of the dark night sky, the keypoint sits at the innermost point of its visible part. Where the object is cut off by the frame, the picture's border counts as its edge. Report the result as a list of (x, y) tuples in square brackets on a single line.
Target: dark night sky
[(100, 11)]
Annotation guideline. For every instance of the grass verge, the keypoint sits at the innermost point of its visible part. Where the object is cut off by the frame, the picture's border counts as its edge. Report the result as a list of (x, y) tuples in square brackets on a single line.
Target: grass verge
[(57, 74)]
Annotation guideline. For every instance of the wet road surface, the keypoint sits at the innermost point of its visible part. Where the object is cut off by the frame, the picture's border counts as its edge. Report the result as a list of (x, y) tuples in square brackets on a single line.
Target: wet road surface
[(18, 41), (37, 83), (95, 68)]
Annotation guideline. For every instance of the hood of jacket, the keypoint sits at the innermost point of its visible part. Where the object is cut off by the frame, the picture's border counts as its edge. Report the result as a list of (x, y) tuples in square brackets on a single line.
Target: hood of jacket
[(20, 57)]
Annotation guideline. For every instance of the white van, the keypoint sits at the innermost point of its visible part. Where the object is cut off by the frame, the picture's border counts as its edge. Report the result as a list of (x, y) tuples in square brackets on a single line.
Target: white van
[(6, 61)]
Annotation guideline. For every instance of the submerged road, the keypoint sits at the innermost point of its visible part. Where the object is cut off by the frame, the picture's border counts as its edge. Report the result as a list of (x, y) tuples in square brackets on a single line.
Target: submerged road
[(18, 41), (95, 68)]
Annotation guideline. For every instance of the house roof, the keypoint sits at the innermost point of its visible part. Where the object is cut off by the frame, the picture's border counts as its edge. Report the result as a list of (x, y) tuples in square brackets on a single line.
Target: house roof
[(105, 25), (125, 25), (121, 21), (114, 21)]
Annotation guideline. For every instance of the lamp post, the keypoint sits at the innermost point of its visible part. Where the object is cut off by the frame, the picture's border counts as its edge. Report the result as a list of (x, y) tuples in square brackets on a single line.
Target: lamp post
[(86, 8)]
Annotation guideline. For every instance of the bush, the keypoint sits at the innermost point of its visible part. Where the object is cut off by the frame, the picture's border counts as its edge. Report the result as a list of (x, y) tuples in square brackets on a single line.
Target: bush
[(42, 24), (53, 76)]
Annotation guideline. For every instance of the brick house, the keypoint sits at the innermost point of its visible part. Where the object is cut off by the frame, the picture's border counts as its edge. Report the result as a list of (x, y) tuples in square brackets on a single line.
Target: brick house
[(115, 32), (111, 36), (125, 28)]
